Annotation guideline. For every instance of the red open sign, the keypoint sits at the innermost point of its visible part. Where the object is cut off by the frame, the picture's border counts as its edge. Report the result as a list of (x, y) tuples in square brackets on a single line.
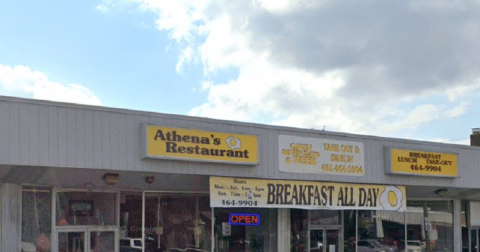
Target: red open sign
[(244, 219)]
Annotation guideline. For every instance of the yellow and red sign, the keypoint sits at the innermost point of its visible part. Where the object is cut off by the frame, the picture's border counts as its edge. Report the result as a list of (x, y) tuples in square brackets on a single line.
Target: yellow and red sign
[(239, 192), (197, 145), (415, 162)]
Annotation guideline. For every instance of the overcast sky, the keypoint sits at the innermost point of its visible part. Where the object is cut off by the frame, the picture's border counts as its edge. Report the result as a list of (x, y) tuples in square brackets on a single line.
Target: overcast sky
[(404, 69)]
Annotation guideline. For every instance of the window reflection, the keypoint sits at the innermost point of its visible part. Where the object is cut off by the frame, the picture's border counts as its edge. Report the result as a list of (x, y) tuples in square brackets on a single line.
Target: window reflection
[(324, 217), (36, 218), (299, 230), (130, 216), (102, 241), (430, 225), (381, 229), (239, 238), (349, 230), (178, 221), (81, 208)]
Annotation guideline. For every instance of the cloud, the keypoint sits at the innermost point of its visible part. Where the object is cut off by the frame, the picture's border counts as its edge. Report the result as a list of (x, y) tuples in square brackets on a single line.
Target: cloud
[(102, 8), (370, 67), (23, 82), (106, 6)]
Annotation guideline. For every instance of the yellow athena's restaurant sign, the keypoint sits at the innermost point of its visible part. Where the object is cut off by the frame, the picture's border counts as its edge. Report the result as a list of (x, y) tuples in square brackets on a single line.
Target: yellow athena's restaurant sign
[(239, 192), (197, 145), (321, 156), (423, 163)]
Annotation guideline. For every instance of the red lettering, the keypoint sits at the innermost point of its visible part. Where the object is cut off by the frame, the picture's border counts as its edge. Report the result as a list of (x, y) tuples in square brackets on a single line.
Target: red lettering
[(244, 219)]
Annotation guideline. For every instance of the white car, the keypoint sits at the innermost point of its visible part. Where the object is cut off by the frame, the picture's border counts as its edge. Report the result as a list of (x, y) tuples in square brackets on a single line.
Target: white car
[(370, 246), (414, 246), (130, 244), (135, 244)]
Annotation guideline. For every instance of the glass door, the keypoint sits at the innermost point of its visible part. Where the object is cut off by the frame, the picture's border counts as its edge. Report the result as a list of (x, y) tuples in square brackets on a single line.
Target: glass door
[(85, 240), (331, 240), (316, 240), (72, 241), (244, 230), (474, 240), (104, 241), (324, 240)]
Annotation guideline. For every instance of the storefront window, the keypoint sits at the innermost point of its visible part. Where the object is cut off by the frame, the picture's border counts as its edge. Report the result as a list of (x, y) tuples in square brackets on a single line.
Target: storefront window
[(430, 225), (473, 218), (349, 230), (324, 217), (245, 230), (71, 241), (36, 218), (85, 208), (102, 241), (130, 216), (463, 221), (299, 230), (381, 229), (178, 222), (316, 230), (324, 230)]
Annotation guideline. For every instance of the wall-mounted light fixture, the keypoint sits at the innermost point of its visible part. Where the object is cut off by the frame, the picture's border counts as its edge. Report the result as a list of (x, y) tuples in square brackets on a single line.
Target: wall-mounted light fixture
[(111, 178), (442, 192), (149, 179)]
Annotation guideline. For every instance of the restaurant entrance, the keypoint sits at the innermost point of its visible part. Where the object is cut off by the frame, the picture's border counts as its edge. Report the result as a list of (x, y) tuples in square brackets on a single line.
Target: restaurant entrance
[(324, 240), (85, 221), (245, 229), (82, 239)]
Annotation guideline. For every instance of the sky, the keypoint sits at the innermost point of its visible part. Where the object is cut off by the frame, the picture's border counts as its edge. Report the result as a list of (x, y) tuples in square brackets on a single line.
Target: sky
[(402, 69)]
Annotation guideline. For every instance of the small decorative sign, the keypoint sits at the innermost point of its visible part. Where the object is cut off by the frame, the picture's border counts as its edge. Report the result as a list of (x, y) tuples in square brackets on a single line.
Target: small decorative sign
[(428, 226), (81, 208), (226, 229), (244, 219)]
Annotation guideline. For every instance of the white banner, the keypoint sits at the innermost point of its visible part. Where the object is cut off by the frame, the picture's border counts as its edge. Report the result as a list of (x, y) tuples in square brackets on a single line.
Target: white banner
[(238, 192), (317, 155)]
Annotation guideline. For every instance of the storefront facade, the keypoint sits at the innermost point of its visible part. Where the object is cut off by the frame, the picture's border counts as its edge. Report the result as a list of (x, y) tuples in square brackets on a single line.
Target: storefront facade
[(82, 178)]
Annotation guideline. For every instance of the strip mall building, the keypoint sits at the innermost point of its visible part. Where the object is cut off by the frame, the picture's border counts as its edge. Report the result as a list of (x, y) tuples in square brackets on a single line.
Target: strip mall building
[(84, 178)]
